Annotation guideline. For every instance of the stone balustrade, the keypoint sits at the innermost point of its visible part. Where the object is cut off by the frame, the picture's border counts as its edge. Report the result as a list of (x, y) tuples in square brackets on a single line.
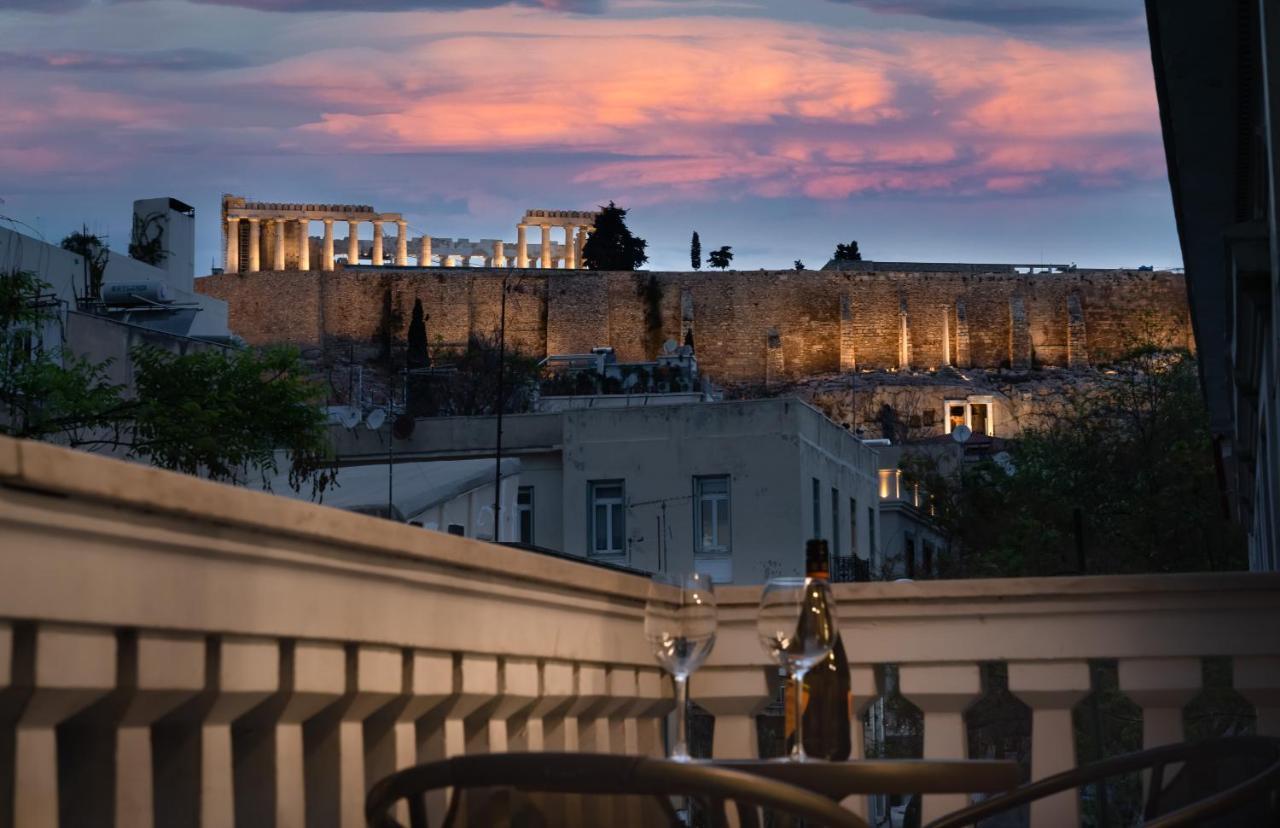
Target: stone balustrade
[(178, 652)]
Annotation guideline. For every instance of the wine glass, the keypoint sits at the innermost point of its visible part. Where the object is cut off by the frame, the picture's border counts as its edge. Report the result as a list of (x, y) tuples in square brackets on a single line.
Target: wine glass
[(797, 626), (680, 624)]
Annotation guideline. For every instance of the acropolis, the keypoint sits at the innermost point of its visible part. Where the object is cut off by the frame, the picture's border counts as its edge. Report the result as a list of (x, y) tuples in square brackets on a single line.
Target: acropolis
[(276, 236)]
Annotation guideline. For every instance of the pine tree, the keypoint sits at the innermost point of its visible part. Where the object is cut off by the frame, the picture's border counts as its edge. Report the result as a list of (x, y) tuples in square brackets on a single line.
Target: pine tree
[(416, 354), (847, 252), (799, 265), (721, 258), (695, 251), (611, 246)]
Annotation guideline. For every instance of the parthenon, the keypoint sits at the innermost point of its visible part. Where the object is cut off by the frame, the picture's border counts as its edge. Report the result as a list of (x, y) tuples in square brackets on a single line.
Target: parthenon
[(265, 236)]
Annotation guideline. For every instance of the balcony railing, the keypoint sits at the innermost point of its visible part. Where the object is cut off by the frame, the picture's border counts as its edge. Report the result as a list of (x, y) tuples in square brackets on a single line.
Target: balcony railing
[(176, 652)]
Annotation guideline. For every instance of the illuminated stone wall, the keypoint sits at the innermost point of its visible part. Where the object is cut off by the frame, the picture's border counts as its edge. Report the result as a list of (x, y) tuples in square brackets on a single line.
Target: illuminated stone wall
[(820, 321)]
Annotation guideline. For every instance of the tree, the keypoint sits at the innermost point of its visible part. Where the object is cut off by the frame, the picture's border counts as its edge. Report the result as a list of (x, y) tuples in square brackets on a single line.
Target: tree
[(721, 258), (799, 265), (416, 353), (223, 414), (847, 252), (93, 249), (611, 246), (146, 243), (695, 251), (464, 381), (1125, 475)]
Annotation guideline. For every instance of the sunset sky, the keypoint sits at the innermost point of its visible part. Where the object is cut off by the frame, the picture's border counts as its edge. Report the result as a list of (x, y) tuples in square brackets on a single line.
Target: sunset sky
[(932, 130)]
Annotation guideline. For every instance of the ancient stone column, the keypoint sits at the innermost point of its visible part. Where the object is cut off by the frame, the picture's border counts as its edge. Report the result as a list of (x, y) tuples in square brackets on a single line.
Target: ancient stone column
[(522, 247), (377, 244), (499, 254), (353, 242), (232, 262), (327, 262), (570, 247), (278, 259), (546, 245), (582, 243), (402, 244), (255, 245), (304, 244), (424, 258)]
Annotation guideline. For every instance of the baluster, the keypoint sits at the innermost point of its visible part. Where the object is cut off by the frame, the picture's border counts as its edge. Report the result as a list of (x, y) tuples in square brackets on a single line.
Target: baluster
[(169, 672), (446, 729), (67, 669), (1161, 687), (545, 728), (1257, 678), (519, 682), (735, 697), (391, 738), (334, 737), (622, 702), (1052, 689), (862, 682), (268, 743), (244, 672), (652, 706), (942, 692), (580, 720)]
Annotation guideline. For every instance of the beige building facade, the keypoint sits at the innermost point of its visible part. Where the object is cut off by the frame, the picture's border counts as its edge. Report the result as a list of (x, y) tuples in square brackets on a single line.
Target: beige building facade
[(733, 489)]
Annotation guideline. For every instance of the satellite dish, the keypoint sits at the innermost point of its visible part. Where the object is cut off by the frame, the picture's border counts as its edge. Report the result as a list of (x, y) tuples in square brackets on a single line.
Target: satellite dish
[(402, 428), (669, 347), (376, 418), (961, 433), (349, 417)]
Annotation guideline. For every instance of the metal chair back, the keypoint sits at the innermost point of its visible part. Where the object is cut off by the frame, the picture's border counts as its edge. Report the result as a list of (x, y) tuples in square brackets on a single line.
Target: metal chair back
[(1182, 801), (601, 774)]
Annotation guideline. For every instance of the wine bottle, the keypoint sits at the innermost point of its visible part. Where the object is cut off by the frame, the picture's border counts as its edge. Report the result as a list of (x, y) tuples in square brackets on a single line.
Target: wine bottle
[(826, 697)]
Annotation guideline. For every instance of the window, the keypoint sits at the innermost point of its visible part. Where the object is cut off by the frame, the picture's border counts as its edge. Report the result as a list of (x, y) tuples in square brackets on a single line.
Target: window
[(909, 555), (711, 514), (978, 413), (817, 509), (835, 521), (607, 521), (457, 529), (853, 526), (955, 416), (524, 509), (874, 551), (928, 559), (978, 416)]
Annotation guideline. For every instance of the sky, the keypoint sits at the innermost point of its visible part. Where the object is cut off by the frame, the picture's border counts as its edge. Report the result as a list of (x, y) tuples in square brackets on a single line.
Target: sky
[(927, 130)]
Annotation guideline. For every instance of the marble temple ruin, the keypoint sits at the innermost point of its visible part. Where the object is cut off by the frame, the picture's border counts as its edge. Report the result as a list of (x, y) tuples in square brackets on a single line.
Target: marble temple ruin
[(276, 236)]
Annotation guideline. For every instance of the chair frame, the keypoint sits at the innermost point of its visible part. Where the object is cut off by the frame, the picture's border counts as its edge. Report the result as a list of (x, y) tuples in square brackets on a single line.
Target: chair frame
[(600, 773), (1156, 760)]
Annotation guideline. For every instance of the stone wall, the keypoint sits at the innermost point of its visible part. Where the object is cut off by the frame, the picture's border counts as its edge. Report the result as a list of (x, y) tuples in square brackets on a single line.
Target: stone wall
[(820, 321)]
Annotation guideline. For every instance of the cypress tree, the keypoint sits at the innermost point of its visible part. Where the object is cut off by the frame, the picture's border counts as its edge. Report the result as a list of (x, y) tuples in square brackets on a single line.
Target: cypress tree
[(695, 251)]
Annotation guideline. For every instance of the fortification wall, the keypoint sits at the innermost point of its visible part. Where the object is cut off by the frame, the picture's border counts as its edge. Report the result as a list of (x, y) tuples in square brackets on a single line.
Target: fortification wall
[(746, 326)]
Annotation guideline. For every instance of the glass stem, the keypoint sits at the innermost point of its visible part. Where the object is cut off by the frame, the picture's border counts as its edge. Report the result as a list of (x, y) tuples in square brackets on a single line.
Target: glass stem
[(680, 751), (797, 690)]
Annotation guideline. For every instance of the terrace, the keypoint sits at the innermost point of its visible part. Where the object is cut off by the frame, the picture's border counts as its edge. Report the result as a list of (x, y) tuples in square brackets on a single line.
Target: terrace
[(176, 652)]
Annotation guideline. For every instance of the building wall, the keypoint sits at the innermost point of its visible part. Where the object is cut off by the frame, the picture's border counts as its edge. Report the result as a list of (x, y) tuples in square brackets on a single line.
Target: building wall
[(770, 450), (818, 321)]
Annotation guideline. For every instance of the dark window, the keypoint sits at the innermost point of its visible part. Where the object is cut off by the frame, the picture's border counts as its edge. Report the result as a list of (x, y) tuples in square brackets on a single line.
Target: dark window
[(928, 416), (457, 529), (978, 413), (909, 555), (928, 560), (817, 509), (711, 515), (853, 526), (607, 521), (524, 507)]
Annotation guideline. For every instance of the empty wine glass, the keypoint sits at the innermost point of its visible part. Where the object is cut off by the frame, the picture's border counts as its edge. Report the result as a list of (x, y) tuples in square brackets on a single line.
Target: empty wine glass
[(797, 626), (680, 624)]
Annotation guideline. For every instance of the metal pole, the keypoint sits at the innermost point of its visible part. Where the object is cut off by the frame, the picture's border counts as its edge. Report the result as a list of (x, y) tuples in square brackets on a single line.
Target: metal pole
[(502, 355)]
